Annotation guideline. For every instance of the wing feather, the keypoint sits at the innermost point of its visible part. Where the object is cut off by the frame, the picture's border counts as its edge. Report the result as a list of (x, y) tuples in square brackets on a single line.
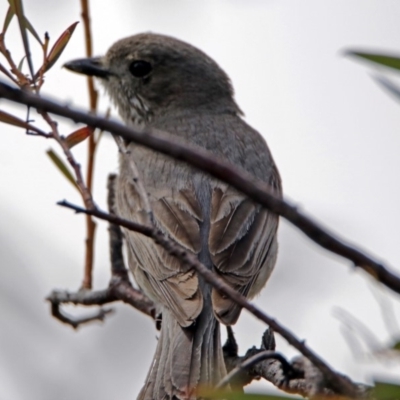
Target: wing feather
[(162, 276), (243, 247)]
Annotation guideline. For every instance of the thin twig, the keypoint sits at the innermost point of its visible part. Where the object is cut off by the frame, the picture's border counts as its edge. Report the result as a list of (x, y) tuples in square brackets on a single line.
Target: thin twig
[(92, 144), (85, 14), (23, 81), (75, 322), (86, 195), (82, 297), (119, 289), (355, 325), (3, 69), (340, 384), (242, 181)]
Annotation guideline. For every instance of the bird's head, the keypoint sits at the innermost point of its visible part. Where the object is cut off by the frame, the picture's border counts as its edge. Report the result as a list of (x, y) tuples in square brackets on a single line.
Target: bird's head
[(149, 74)]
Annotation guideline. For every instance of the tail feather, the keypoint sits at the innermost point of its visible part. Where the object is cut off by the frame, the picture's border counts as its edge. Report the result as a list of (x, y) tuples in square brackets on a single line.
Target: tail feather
[(185, 359)]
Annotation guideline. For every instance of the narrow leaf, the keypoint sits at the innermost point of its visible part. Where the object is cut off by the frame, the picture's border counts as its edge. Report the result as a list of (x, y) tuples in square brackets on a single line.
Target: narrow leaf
[(32, 30), (21, 63), (381, 59), (58, 47), (7, 19), (78, 136), (17, 7), (388, 85), (12, 120), (59, 163)]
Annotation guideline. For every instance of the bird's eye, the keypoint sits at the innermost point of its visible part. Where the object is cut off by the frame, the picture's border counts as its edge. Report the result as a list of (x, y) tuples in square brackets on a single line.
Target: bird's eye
[(140, 68)]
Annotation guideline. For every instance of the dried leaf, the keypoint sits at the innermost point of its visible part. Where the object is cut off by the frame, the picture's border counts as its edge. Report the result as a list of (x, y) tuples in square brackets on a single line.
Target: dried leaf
[(59, 163), (7, 19), (78, 136), (59, 47), (382, 59), (12, 120)]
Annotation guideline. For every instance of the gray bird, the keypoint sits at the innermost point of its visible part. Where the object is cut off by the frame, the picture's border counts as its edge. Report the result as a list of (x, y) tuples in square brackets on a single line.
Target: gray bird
[(166, 84)]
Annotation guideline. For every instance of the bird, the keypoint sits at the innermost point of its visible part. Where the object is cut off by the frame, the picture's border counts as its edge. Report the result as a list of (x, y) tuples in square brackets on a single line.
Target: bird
[(159, 82)]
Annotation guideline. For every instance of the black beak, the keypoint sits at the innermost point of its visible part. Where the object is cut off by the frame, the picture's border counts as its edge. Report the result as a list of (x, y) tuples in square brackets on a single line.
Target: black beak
[(88, 66)]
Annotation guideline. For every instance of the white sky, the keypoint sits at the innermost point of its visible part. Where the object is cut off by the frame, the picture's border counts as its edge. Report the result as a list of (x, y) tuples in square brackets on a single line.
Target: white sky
[(334, 135)]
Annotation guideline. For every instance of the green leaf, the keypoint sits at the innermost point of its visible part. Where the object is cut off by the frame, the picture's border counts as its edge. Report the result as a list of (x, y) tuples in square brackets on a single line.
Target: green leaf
[(381, 59), (59, 163), (396, 346), (7, 19), (386, 391)]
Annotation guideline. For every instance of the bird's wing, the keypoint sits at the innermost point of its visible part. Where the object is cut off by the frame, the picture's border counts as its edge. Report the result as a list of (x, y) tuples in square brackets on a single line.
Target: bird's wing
[(177, 214), (242, 244)]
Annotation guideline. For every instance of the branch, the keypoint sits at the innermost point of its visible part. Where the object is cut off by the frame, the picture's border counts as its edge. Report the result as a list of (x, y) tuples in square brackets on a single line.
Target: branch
[(85, 14), (75, 322), (85, 192), (257, 191), (92, 147), (119, 288), (21, 78), (299, 376), (340, 384), (250, 362)]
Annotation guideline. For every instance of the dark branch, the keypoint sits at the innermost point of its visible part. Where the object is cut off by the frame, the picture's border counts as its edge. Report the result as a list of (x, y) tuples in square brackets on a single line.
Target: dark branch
[(119, 289), (299, 376), (252, 361), (258, 191), (339, 383), (75, 322)]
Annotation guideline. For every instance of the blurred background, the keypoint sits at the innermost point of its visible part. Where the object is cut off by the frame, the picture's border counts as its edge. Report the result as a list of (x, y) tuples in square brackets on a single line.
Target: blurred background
[(334, 134)]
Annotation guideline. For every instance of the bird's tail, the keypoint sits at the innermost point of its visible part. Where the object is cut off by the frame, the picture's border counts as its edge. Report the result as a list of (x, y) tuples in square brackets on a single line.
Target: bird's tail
[(185, 359)]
